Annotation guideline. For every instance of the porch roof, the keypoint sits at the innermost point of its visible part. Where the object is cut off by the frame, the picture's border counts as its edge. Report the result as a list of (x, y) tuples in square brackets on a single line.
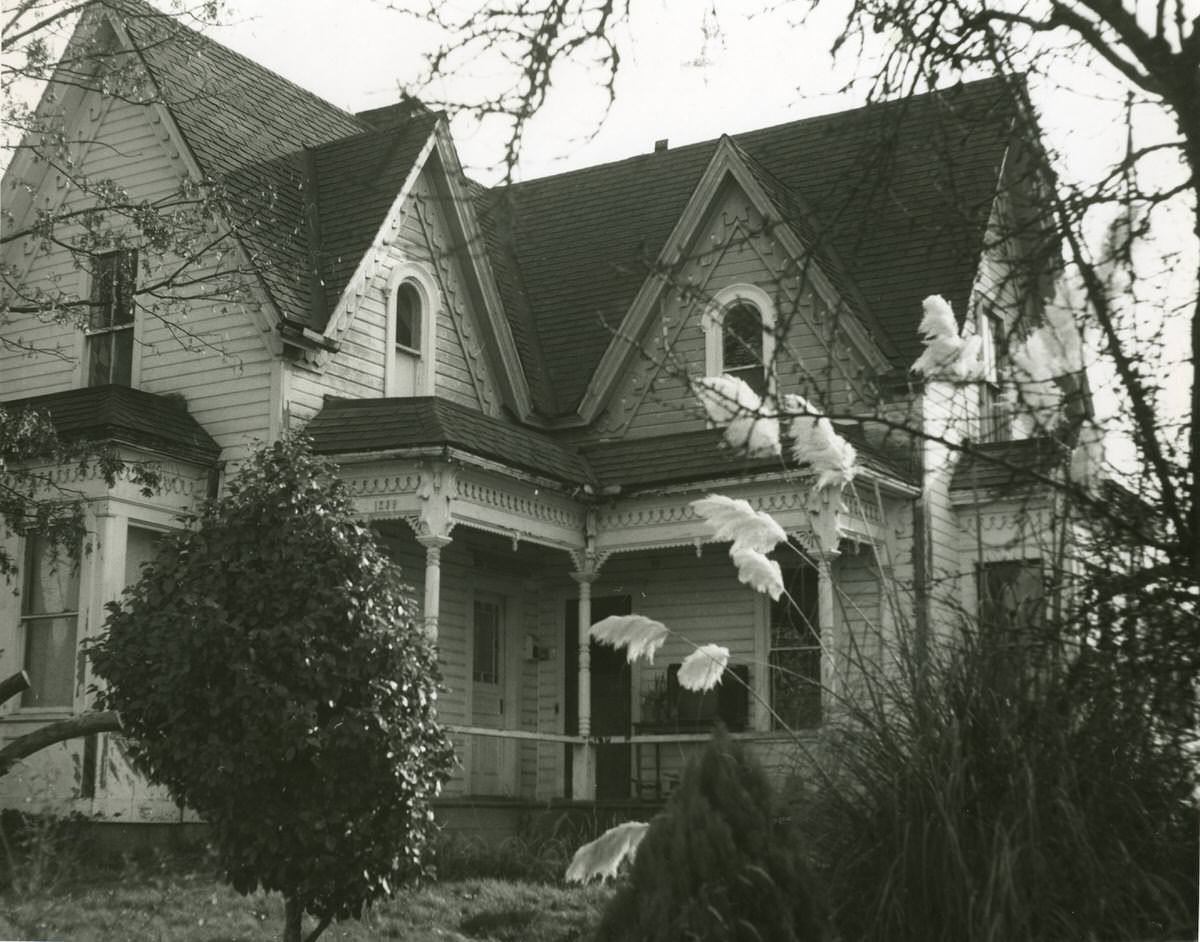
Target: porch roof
[(688, 457), (128, 416), (355, 426), (346, 426), (992, 466)]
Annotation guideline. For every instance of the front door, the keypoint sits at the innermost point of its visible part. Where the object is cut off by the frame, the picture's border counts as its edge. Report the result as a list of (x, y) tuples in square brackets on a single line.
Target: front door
[(612, 692), (491, 765)]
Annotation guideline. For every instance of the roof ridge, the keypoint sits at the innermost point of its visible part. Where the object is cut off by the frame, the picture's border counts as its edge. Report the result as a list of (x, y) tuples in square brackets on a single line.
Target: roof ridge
[(712, 142)]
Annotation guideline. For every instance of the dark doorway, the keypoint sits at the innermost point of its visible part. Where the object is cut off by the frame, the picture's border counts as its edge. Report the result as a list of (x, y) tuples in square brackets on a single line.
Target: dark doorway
[(611, 694)]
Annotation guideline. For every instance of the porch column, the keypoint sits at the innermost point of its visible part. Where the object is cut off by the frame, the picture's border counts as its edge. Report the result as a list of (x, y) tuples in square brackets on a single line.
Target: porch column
[(825, 616), (583, 785), (434, 544)]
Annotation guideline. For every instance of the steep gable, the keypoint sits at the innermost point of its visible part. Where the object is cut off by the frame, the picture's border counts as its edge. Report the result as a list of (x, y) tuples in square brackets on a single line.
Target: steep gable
[(899, 190)]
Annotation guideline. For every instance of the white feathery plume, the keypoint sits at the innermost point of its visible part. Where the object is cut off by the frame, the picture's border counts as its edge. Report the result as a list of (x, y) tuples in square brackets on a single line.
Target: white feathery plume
[(735, 408), (946, 354), (815, 442), (603, 857), (757, 571), (639, 635), (702, 669), (1087, 457), (739, 523)]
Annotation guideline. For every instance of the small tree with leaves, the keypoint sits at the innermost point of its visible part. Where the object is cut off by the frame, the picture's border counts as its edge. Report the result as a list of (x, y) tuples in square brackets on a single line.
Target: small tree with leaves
[(270, 671)]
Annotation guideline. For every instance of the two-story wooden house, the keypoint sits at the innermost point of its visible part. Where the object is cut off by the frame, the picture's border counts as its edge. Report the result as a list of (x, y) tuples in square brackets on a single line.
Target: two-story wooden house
[(505, 378)]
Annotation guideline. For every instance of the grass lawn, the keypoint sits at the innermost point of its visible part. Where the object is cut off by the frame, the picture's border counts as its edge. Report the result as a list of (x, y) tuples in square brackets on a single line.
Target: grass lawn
[(188, 907)]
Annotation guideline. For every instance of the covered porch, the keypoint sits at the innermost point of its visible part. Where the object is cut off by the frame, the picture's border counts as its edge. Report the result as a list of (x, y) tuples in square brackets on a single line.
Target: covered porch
[(511, 570)]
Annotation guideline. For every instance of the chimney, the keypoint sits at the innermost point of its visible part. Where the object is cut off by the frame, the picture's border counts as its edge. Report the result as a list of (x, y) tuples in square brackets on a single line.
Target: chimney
[(660, 146)]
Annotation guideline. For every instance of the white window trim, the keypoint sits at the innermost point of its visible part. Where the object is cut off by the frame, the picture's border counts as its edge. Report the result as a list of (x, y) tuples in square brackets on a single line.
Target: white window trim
[(714, 319), (419, 277)]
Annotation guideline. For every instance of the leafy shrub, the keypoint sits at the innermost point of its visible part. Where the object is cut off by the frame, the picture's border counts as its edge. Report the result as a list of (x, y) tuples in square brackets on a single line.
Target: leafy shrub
[(270, 672), (997, 795), (719, 863)]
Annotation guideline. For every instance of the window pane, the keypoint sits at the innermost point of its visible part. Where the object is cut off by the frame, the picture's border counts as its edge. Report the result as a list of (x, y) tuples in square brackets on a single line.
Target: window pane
[(122, 357), (51, 579), (50, 662), (104, 282), (796, 625), (126, 279), (408, 316), (99, 351), (487, 642), (742, 338), (141, 546), (796, 687)]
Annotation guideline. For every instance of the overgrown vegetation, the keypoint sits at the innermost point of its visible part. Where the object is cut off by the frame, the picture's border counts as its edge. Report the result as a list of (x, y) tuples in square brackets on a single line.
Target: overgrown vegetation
[(994, 793), (720, 863), (269, 670)]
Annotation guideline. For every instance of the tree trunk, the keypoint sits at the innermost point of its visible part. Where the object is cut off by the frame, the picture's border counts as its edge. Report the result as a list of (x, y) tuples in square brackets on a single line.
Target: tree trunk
[(293, 919), (17, 683)]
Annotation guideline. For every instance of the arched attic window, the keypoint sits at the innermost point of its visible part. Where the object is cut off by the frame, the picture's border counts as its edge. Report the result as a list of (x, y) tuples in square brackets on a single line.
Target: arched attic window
[(739, 336), (409, 365)]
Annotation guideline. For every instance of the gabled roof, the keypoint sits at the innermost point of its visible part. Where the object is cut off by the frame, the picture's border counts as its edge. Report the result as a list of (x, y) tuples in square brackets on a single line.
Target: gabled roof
[(127, 416), (900, 191), (309, 184)]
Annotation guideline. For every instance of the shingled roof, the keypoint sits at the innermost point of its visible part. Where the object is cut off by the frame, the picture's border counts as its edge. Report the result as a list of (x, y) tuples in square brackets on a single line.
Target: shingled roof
[(899, 192), (128, 416), (893, 199)]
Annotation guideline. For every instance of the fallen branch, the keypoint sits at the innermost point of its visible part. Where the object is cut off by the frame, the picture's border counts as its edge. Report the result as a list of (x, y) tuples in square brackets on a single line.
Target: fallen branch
[(83, 725)]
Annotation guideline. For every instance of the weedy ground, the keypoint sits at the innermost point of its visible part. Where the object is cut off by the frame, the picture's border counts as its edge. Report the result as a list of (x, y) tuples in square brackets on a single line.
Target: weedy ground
[(194, 907)]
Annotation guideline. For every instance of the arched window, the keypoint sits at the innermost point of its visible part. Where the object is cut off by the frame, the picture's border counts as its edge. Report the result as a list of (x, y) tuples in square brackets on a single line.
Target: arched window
[(408, 317), (742, 345), (739, 336)]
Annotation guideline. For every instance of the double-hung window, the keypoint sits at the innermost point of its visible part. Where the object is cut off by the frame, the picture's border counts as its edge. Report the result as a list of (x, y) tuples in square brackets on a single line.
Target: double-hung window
[(49, 623), (110, 324), (795, 651)]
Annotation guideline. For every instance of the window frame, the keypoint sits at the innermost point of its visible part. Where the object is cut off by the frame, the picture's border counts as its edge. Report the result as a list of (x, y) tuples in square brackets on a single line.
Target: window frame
[(424, 355), (713, 325), (25, 619), (103, 325)]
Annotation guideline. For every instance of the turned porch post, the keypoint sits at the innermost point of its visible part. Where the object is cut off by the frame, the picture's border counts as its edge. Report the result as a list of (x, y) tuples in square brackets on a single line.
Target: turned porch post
[(434, 544), (825, 616), (583, 785)]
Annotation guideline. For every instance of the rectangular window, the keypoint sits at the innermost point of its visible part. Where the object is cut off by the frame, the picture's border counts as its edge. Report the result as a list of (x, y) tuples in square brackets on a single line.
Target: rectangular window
[(795, 654), (489, 620), (110, 326), (49, 622), (1011, 595)]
